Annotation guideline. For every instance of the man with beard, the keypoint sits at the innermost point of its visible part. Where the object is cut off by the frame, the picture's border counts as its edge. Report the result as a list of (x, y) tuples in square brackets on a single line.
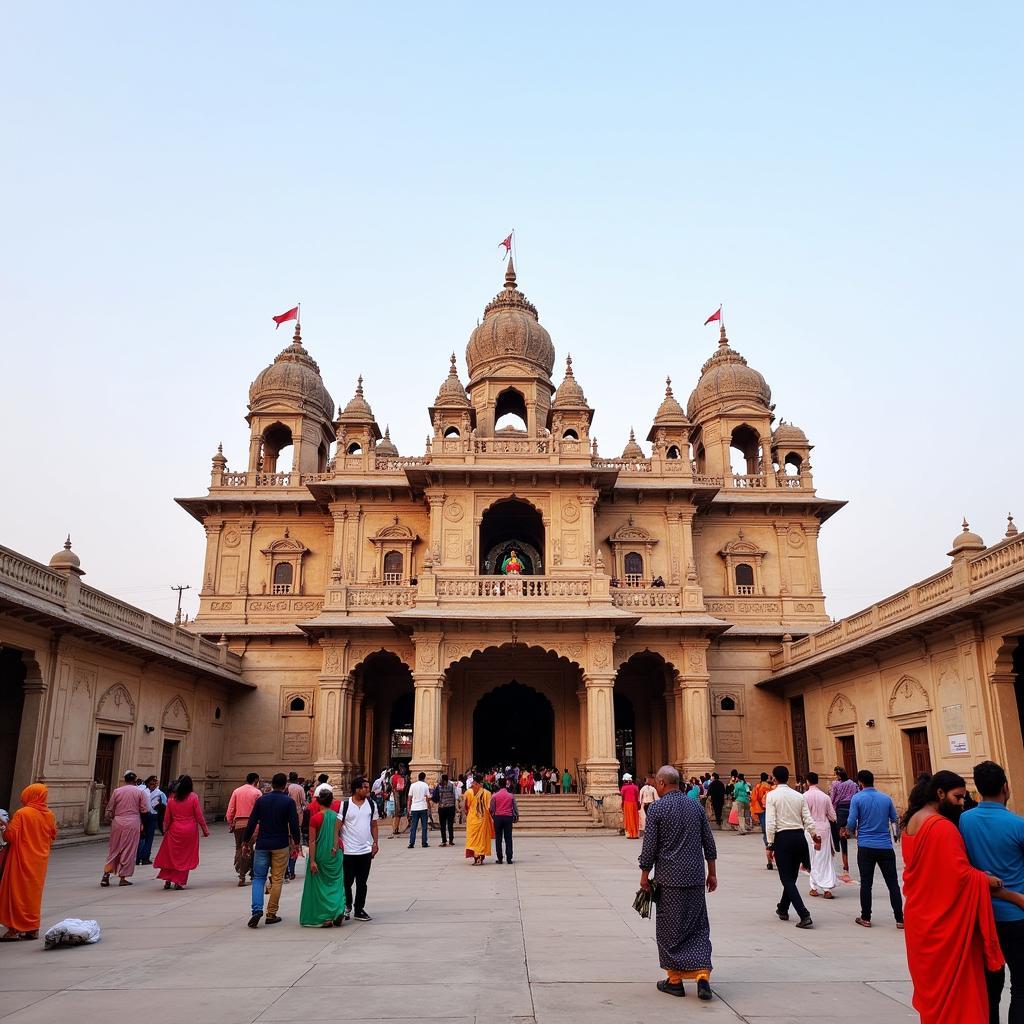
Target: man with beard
[(870, 815)]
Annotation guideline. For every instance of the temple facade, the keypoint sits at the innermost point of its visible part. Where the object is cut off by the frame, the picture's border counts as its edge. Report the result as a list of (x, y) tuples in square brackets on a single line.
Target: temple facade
[(511, 594)]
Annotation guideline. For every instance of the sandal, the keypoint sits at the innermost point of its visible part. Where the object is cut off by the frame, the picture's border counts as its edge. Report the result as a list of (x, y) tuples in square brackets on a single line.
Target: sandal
[(828, 894), (862, 922), (813, 892), (10, 936), (124, 881), (167, 885), (105, 880)]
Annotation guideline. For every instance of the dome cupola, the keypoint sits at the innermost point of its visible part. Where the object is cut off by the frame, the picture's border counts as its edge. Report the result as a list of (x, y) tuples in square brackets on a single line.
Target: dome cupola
[(292, 379), (451, 393), (632, 452), (386, 446), (569, 394), (966, 542), (66, 561), (727, 379)]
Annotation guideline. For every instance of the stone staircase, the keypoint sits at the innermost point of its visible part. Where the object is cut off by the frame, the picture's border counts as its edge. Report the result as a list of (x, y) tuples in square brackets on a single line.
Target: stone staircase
[(555, 814)]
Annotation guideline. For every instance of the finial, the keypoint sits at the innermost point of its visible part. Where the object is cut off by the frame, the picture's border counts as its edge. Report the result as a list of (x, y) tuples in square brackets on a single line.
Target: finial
[(297, 337), (387, 432), (453, 371), (632, 436), (668, 387), (359, 385), (67, 543), (568, 364), (1011, 527), (510, 275), (723, 340), (966, 525), (220, 447)]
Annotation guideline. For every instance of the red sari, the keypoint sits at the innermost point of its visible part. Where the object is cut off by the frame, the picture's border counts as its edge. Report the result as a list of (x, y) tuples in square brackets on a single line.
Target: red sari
[(179, 851), (950, 929), (630, 810)]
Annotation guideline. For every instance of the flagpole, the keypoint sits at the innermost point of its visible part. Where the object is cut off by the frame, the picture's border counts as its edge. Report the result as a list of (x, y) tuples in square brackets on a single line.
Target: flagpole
[(298, 315)]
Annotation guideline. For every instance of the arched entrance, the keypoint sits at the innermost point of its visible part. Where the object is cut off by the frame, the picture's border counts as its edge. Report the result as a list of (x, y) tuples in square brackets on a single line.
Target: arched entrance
[(383, 734), (13, 672), (507, 525), (643, 732), (625, 734), (513, 724)]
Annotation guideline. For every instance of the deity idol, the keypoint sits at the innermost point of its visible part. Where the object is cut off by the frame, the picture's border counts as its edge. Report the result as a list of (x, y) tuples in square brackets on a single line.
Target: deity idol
[(512, 566)]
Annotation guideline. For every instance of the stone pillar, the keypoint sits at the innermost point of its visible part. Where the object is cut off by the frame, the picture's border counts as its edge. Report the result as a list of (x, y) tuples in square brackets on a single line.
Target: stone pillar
[(811, 533), (672, 743), (581, 697), (427, 683), (694, 706), (330, 713), (356, 759), (602, 766), (213, 532), (347, 691), (30, 735), (446, 699), (782, 542), (435, 498), (369, 765), (254, 452)]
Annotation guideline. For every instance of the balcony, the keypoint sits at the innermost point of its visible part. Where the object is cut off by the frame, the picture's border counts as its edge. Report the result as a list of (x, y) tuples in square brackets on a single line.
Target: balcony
[(513, 588)]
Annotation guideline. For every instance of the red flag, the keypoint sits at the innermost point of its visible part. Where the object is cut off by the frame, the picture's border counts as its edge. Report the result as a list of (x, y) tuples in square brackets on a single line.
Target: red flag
[(507, 242), (292, 314), (717, 315)]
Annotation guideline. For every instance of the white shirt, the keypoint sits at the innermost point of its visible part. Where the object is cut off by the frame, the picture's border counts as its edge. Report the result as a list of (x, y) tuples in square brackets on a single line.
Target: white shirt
[(458, 789), (154, 796), (418, 793), (787, 809), (356, 834)]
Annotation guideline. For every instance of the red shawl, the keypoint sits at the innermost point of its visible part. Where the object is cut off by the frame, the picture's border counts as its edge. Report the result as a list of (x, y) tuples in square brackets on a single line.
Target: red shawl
[(951, 933)]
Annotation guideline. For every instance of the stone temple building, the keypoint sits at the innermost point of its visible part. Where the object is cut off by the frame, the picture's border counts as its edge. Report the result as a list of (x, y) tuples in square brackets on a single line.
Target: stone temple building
[(510, 595)]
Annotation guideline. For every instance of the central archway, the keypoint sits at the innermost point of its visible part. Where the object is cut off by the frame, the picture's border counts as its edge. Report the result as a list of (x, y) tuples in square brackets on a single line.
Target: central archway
[(513, 724), (507, 525)]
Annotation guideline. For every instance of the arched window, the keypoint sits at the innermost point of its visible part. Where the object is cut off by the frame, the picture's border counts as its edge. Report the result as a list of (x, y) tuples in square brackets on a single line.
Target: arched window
[(634, 568), (792, 464), (452, 432), (727, 704), (393, 569), (283, 578), (673, 452), (745, 451), (355, 448), (510, 411), (744, 579), (322, 455), (297, 704), (276, 438), (570, 435)]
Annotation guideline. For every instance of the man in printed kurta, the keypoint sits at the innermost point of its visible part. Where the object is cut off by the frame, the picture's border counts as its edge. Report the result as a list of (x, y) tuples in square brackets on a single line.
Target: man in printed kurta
[(677, 843)]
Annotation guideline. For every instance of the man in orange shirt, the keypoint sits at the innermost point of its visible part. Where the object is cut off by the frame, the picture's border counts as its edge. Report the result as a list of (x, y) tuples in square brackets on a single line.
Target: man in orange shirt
[(757, 795), (239, 808)]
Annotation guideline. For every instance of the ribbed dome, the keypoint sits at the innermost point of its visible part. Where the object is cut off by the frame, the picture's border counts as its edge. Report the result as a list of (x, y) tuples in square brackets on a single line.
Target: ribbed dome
[(569, 394), (66, 560), (358, 409), (670, 411), (966, 541), (451, 391), (293, 378), (726, 377), (386, 446), (632, 451), (510, 330), (789, 433)]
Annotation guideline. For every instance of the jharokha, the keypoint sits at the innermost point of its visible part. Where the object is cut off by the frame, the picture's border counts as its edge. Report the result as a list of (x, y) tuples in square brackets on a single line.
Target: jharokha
[(510, 595)]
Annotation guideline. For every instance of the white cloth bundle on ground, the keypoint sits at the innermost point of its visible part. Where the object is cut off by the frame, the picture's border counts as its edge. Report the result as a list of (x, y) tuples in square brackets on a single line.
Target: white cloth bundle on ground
[(72, 931)]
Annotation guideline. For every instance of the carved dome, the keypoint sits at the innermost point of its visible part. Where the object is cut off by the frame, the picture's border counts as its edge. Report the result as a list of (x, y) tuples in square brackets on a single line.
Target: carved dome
[(789, 434), (66, 560), (569, 394), (966, 540), (293, 378), (632, 451), (451, 391), (510, 331), (387, 446), (358, 409), (726, 377), (670, 412)]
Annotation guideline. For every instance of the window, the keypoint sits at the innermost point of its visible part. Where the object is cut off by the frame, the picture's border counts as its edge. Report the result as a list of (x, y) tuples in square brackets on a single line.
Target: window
[(216, 714), (393, 569), (634, 566), (452, 432), (745, 451), (355, 448), (570, 435), (510, 411), (297, 704), (283, 575), (744, 579), (727, 704), (673, 452), (276, 438)]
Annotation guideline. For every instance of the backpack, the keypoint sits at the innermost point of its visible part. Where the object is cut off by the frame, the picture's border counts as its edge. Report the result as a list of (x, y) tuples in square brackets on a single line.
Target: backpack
[(400, 784)]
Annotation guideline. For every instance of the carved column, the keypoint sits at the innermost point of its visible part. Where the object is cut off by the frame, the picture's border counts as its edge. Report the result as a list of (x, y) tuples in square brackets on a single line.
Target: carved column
[(428, 682), (213, 532), (811, 533), (435, 498), (694, 709), (602, 765), (782, 542), (245, 528), (31, 736), (587, 502), (446, 698), (672, 743), (330, 705), (369, 764), (356, 756), (581, 697)]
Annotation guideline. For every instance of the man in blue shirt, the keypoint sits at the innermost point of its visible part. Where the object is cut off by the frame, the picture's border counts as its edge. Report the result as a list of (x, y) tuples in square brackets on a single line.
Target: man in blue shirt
[(870, 815), (277, 817), (994, 837)]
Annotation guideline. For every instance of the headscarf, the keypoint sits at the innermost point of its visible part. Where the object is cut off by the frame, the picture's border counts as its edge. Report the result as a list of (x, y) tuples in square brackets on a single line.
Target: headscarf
[(33, 798)]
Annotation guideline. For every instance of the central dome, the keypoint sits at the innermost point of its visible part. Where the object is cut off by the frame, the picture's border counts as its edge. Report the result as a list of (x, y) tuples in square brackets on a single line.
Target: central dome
[(292, 378), (510, 332), (726, 377)]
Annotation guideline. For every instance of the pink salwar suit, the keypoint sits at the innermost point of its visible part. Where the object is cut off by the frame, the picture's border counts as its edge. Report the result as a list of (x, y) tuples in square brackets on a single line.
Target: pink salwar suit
[(179, 850)]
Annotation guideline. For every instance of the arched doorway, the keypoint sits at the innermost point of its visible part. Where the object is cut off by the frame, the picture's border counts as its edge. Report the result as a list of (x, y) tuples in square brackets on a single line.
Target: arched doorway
[(642, 729), (13, 673), (383, 734), (625, 734), (507, 525), (513, 724)]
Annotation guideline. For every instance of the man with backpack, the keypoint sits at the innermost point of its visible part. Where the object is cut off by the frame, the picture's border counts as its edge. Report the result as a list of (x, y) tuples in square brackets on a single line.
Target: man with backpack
[(445, 798), (359, 837)]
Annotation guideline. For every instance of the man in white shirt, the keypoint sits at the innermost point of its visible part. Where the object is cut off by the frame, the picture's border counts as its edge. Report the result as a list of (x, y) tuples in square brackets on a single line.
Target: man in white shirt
[(419, 795), (155, 797), (359, 842), (787, 818)]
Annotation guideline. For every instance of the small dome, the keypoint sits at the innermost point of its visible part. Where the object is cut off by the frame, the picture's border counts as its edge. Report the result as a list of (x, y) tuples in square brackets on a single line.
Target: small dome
[(789, 434), (219, 461), (569, 394), (726, 377), (1011, 526), (451, 391), (510, 331), (293, 378), (386, 446), (358, 409), (670, 412), (66, 560), (633, 451), (966, 541)]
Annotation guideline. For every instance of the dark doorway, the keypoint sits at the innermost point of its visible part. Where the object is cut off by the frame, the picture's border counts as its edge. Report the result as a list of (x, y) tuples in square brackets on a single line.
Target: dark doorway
[(509, 525), (799, 720), (1018, 682), (12, 702), (513, 724), (625, 734), (848, 752), (401, 728), (920, 753), (103, 769), (169, 762)]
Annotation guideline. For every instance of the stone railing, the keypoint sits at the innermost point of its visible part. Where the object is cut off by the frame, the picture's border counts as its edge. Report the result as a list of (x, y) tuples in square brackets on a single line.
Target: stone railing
[(748, 480), (380, 597), (525, 588), (655, 598), (761, 606), (260, 480), (1001, 560), (69, 599), (511, 446), (398, 464), (623, 465)]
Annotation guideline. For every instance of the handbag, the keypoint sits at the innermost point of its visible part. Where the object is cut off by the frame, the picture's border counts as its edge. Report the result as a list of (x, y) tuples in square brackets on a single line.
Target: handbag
[(645, 898)]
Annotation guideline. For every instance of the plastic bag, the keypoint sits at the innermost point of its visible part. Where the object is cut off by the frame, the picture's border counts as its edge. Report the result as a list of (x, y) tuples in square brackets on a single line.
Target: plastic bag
[(390, 807), (72, 931)]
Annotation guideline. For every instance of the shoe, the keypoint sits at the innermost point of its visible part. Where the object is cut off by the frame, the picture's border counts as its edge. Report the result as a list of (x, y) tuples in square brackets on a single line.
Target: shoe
[(500, 861), (805, 922), (673, 990), (899, 925), (254, 921), (347, 914), (862, 922), (704, 990), (412, 846), (145, 862), (426, 846), (362, 915), (443, 845), (241, 882), (509, 861), (782, 915), (167, 885), (272, 919), (770, 867)]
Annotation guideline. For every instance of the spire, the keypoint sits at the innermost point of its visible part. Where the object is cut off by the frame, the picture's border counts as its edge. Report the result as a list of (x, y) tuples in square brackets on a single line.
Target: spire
[(1011, 526), (723, 339), (510, 275), (359, 385), (668, 387), (297, 336), (67, 543)]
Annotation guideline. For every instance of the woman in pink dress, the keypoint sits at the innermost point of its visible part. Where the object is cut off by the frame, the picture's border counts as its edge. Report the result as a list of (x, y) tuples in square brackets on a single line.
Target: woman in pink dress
[(179, 849), (125, 809)]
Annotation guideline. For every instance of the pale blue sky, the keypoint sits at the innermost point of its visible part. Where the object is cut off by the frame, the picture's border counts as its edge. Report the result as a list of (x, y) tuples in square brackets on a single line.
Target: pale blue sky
[(847, 181)]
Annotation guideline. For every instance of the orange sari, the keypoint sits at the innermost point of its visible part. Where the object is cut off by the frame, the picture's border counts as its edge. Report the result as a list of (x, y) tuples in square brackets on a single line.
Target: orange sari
[(30, 834)]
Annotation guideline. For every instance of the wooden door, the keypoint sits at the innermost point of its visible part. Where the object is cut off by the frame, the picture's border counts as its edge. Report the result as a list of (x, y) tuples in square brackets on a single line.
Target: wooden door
[(920, 754), (103, 770), (849, 755), (799, 720), (168, 766)]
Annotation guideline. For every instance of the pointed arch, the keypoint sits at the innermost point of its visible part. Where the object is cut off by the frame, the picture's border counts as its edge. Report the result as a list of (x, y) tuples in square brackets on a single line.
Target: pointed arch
[(176, 715), (116, 705)]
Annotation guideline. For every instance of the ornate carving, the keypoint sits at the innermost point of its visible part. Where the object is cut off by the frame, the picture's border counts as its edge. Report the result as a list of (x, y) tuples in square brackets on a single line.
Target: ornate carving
[(841, 711), (570, 512), (908, 696), (232, 538), (116, 705), (332, 661), (453, 511), (795, 539), (176, 715)]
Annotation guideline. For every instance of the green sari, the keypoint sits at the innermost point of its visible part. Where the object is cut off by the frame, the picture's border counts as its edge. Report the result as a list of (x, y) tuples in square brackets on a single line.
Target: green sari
[(323, 893)]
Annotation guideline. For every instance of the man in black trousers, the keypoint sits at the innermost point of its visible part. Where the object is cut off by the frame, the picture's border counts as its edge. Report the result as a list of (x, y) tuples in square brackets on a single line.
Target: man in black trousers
[(788, 817), (716, 794)]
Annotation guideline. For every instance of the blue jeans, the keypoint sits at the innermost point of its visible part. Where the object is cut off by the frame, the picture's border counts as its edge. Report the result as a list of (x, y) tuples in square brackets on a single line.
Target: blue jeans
[(274, 862), (146, 842), (415, 817)]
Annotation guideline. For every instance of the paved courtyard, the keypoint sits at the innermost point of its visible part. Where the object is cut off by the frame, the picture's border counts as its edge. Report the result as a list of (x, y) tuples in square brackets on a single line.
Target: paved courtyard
[(552, 938)]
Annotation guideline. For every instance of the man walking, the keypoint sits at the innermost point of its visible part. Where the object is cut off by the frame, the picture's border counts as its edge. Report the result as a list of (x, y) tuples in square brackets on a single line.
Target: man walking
[(842, 792), (788, 818), (994, 837), (399, 794), (741, 797), (505, 814), (445, 798), (152, 792), (870, 815), (823, 868), (419, 794), (278, 821), (677, 843), (716, 794), (757, 797), (359, 842), (240, 807), (298, 793)]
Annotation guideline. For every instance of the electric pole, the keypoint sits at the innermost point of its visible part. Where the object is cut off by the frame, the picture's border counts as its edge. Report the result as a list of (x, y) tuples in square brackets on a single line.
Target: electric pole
[(177, 614)]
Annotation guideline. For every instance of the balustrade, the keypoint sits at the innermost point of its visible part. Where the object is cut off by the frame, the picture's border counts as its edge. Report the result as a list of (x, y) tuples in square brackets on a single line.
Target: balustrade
[(749, 480), (659, 598), (513, 587)]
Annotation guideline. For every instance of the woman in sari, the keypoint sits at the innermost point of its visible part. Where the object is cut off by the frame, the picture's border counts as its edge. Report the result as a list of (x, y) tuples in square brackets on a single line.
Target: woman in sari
[(125, 808), (29, 835), (323, 888), (630, 807), (179, 850), (479, 824)]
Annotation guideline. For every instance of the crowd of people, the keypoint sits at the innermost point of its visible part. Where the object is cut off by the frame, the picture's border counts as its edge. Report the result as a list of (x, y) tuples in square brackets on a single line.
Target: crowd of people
[(961, 903)]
